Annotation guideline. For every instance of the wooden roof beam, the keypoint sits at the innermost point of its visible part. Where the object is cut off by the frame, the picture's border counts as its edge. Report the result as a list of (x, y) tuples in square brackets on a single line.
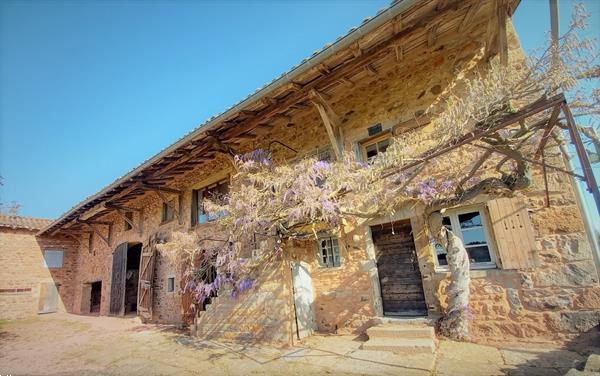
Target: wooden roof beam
[(331, 122)]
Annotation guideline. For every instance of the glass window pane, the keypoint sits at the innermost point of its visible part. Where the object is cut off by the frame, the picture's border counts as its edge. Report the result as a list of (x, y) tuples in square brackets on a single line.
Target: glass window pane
[(468, 220), (371, 151), (479, 254), (383, 145), (474, 236), (53, 259)]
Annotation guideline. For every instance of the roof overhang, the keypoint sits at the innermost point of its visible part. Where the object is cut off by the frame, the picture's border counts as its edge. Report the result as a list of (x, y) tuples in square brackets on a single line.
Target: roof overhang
[(375, 36)]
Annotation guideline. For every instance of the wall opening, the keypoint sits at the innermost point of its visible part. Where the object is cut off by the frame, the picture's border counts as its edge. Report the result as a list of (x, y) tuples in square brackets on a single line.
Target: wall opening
[(132, 277), (96, 297), (398, 268)]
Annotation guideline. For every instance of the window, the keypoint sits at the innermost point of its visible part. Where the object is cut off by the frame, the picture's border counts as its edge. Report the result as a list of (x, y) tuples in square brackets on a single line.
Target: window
[(129, 216), (167, 212), (321, 154), (215, 192), (329, 252), (374, 146), (53, 258), (171, 284), (470, 226)]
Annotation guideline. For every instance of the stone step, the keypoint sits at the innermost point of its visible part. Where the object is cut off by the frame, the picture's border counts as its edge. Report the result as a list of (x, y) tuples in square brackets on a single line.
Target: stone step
[(401, 345), (401, 331)]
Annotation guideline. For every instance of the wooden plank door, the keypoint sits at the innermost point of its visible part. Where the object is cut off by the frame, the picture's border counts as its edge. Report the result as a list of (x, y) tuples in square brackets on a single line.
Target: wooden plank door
[(145, 289), (398, 268), (117, 285), (303, 300)]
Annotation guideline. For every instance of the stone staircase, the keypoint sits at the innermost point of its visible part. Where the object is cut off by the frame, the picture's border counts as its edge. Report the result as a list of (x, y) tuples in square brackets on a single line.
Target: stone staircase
[(402, 336), (214, 321)]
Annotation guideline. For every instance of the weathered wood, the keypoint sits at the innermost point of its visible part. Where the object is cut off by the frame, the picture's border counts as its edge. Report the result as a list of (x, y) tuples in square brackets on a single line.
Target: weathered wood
[(146, 289), (513, 232), (153, 187), (468, 18), (117, 285), (331, 122), (398, 268), (502, 39)]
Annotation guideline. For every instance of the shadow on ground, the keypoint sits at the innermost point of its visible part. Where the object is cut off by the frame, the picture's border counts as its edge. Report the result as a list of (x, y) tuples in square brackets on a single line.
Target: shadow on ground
[(555, 362)]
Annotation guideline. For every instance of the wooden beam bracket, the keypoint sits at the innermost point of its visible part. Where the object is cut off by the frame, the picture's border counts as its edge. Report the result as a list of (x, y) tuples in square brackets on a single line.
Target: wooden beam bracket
[(331, 122)]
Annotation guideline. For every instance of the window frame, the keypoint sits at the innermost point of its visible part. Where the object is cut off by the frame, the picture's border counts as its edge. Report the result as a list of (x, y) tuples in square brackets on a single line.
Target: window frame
[(62, 258), (326, 265), (376, 139), (485, 226), (169, 278), (164, 212), (198, 210), (126, 225)]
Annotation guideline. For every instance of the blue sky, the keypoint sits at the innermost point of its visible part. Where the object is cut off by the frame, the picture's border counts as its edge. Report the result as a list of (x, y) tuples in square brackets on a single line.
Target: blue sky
[(90, 89)]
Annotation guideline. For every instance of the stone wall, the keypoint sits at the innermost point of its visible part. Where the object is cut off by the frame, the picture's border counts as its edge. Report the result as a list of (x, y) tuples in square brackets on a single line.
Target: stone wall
[(23, 272), (545, 303), (264, 313)]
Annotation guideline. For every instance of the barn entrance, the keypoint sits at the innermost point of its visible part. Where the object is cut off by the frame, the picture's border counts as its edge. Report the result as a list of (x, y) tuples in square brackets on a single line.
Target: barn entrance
[(398, 269), (96, 297), (125, 278), (132, 277)]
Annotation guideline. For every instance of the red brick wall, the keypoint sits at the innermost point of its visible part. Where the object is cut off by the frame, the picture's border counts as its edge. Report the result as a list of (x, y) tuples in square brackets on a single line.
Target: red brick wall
[(23, 270)]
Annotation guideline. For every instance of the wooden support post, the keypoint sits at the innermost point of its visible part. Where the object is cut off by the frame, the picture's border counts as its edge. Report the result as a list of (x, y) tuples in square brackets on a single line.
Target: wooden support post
[(331, 122), (502, 39)]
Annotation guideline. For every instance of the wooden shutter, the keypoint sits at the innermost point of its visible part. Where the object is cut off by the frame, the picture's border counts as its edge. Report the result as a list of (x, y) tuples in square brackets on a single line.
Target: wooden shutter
[(117, 284), (514, 233), (194, 207), (146, 290)]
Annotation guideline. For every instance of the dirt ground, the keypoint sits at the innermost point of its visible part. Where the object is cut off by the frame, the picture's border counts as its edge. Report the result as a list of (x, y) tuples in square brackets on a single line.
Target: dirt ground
[(64, 344)]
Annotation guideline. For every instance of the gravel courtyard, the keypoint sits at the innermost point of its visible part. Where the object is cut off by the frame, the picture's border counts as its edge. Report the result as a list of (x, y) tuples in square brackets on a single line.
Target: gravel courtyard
[(64, 344)]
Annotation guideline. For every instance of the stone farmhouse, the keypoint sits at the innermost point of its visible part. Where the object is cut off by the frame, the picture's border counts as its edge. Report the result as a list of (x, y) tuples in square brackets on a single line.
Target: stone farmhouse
[(534, 272)]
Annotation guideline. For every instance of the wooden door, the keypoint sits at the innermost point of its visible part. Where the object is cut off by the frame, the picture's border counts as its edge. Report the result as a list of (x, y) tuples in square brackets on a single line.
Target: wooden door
[(303, 300), (398, 268), (117, 285), (48, 302), (145, 289)]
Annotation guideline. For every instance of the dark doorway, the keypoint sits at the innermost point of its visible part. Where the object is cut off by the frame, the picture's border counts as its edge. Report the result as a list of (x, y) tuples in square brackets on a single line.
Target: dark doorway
[(132, 277), (96, 297), (398, 267), (125, 278)]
